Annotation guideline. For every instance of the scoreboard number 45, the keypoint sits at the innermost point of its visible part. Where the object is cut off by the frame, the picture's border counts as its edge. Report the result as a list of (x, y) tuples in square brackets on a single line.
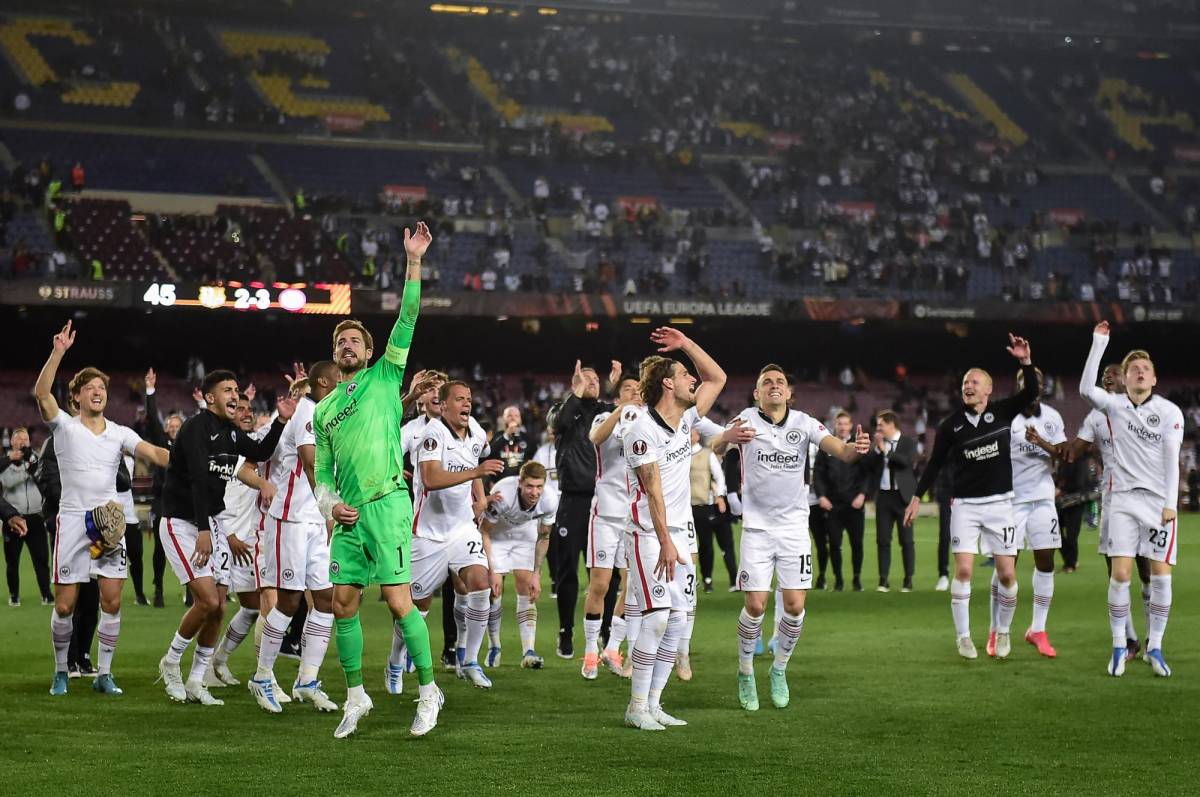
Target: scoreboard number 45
[(160, 295)]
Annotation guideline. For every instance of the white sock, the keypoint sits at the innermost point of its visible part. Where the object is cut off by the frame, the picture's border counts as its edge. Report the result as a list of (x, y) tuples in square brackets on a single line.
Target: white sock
[(107, 631), (1043, 593), (778, 613), (993, 604), (960, 606), (235, 634), (685, 641), (460, 619), (179, 646), (749, 631), (645, 654), (633, 619), (527, 622), (616, 635), (355, 694), (314, 642), (200, 661), (399, 646), (665, 662), (1130, 630), (495, 614), (1006, 600), (591, 634), (477, 621), (61, 629), (1118, 610), (1160, 609), (1146, 591), (790, 627), (274, 630), (260, 623)]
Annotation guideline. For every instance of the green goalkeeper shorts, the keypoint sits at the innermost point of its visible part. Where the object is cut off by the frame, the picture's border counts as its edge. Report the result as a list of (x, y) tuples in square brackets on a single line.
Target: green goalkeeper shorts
[(376, 549)]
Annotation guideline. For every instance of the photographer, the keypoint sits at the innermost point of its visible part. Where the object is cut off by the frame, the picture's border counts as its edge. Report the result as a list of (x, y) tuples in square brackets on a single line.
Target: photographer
[(21, 492)]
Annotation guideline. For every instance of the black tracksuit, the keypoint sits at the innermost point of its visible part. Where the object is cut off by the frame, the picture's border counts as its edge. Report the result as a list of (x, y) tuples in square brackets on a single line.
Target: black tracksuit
[(841, 482)]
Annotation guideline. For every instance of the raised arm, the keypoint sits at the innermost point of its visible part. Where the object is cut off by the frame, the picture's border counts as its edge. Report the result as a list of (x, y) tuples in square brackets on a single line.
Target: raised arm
[(603, 430), (261, 450), (844, 451), (1091, 392), (712, 378), (154, 428), (42, 388), (395, 356)]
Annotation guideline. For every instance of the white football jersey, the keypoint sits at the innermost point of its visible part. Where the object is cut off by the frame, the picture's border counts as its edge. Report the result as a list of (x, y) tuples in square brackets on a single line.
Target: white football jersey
[(774, 493), (438, 513), (1146, 438), (411, 434), (1095, 429), (648, 438), (294, 499), (1032, 468), (242, 516), (88, 463), (509, 519), (612, 475)]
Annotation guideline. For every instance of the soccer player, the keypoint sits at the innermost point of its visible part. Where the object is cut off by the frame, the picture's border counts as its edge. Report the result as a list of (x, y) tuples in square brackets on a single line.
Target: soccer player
[(516, 535), (973, 440), (606, 531), (294, 554), (203, 461), (1095, 433), (1037, 438), (1147, 434), (240, 522), (658, 449), (445, 538), (89, 449), (774, 444), (359, 484)]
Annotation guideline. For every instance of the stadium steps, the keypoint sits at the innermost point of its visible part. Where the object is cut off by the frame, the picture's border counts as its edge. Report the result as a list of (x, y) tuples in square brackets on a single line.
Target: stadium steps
[(271, 178), (506, 186), (724, 190), (1160, 221), (986, 107)]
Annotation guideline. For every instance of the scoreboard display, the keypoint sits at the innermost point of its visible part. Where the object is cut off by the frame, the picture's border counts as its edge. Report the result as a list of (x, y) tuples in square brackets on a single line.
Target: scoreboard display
[(319, 298)]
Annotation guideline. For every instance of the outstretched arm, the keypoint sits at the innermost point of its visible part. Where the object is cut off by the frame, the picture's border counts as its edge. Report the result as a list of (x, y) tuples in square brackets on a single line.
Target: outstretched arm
[(712, 378), (846, 452), (395, 356), (1091, 392), (45, 381)]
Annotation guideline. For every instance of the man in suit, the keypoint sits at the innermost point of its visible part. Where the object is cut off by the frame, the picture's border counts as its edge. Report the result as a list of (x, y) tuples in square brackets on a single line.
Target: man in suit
[(890, 465), (841, 489)]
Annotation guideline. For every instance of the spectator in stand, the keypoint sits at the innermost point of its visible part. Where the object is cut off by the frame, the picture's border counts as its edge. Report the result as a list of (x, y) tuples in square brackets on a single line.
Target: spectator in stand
[(78, 176), (20, 492)]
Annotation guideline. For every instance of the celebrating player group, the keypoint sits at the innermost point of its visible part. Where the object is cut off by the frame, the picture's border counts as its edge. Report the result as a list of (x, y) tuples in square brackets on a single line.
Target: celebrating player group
[(315, 505)]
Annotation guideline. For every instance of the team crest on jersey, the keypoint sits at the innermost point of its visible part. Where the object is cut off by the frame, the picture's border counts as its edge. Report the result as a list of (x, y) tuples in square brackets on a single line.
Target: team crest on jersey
[(630, 414), (658, 591), (639, 448), (308, 427), (429, 444), (601, 555), (988, 417), (64, 571), (1051, 427), (1153, 420), (350, 388), (334, 568), (288, 574), (793, 437), (562, 531), (683, 427), (416, 588), (475, 450)]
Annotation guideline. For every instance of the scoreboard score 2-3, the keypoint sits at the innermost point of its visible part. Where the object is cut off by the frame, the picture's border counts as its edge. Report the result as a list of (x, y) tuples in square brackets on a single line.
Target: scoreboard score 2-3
[(320, 298)]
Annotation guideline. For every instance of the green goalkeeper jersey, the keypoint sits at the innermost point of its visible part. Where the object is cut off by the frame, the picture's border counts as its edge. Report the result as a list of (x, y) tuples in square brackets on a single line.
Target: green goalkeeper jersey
[(357, 426)]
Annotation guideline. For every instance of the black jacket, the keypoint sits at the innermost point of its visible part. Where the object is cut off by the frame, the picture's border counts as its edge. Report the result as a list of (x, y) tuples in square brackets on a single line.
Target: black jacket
[(900, 463), (513, 451), (47, 480), (202, 463), (157, 435), (576, 460), (839, 481)]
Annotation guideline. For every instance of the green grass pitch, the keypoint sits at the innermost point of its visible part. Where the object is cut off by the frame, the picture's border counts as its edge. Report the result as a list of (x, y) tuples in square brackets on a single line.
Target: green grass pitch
[(881, 704)]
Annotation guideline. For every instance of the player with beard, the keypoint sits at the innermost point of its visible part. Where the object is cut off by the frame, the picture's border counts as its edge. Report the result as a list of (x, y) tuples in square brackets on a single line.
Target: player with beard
[(89, 448), (203, 461), (240, 520), (360, 485), (658, 449), (1147, 435), (606, 531), (1038, 439), (974, 442), (775, 443), (1095, 433)]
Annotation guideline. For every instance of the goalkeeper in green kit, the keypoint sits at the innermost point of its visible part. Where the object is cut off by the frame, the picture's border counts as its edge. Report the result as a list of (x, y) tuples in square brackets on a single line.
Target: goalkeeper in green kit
[(360, 487)]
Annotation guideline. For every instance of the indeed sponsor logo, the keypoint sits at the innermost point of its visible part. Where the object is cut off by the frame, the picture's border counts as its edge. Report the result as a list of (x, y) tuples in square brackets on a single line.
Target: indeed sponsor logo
[(1146, 434), (224, 471), (787, 461), (455, 467), (983, 452), (684, 450), (345, 413)]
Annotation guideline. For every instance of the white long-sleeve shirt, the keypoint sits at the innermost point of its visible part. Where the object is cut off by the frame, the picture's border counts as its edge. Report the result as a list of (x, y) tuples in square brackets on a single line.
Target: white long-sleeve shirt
[(1146, 437)]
